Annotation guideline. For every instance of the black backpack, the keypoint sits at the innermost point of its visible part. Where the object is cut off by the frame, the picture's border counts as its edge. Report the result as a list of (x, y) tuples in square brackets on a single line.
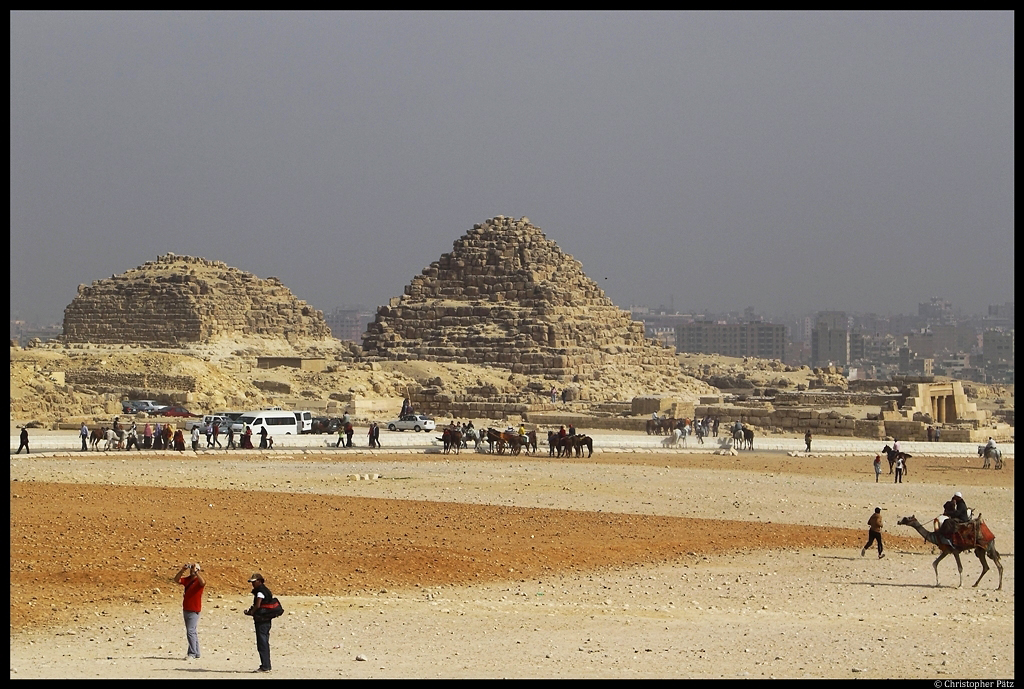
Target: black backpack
[(269, 610)]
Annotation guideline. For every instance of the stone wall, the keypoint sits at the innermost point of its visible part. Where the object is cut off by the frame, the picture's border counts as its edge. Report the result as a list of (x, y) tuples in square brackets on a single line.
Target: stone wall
[(805, 399), (114, 380), (181, 299)]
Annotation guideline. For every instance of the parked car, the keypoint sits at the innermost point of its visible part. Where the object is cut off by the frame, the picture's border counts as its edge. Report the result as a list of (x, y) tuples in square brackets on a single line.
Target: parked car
[(412, 422), (136, 406), (220, 420), (325, 424), (176, 411)]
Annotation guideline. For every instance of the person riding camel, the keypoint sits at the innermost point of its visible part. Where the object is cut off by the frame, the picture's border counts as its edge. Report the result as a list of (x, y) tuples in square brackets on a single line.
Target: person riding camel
[(955, 509), (960, 512)]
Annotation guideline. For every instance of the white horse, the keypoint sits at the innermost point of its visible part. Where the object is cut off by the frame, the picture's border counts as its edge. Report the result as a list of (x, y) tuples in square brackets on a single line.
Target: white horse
[(673, 440), (474, 435), (990, 453)]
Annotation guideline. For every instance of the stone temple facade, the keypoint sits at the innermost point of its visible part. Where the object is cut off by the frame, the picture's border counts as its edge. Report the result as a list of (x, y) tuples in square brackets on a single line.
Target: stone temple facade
[(181, 299), (508, 296)]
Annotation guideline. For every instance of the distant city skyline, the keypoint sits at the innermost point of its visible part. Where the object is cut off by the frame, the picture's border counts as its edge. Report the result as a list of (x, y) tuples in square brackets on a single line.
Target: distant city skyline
[(25, 314)]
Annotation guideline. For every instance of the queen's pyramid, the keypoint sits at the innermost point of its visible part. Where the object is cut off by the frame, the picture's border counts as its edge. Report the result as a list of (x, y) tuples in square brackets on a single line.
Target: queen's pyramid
[(507, 296)]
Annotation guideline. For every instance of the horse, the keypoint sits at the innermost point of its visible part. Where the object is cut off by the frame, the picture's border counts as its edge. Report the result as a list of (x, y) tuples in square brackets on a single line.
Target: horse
[(452, 440), (475, 436), (581, 441), (892, 455), (748, 438), (738, 439), (514, 441), (661, 426), (552, 443), (95, 437), (989, 454), (495, 438), (673, 440)]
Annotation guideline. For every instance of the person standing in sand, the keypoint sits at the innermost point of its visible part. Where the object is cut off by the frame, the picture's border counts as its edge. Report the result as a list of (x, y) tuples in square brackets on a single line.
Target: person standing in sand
[(878, 467), (899, 470), (260, 595), (807, 440), (192, 604), (874, 532), (24, 441)]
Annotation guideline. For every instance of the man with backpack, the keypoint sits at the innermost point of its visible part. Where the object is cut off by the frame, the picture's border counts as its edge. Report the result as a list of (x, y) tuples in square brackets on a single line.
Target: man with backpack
[(263, 610)]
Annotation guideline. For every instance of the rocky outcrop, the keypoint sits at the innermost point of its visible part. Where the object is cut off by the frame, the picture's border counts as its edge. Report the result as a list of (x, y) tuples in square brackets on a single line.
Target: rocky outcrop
[(177, 300), (508, 296)]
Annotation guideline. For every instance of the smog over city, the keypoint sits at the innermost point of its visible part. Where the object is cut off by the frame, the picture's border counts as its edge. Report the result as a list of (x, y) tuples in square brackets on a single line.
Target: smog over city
[(704, 162)]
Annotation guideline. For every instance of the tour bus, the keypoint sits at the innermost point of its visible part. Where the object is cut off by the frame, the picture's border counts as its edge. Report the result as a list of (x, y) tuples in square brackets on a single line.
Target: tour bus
[(276, 422)]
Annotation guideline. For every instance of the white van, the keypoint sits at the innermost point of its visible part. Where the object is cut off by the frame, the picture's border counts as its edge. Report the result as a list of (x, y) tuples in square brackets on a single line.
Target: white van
[(277, 422), (305, 420)]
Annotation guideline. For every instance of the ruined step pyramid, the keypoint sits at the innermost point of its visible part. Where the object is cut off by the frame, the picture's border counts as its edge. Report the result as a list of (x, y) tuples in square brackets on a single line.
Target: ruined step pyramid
[(182, 299), (507, 296)]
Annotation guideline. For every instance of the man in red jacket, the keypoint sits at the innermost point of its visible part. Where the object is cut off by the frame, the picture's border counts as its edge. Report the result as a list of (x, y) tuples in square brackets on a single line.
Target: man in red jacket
[(192, 604)]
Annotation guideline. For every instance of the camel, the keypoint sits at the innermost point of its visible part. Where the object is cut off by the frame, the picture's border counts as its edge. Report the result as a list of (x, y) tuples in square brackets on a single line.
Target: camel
[(982, 546)]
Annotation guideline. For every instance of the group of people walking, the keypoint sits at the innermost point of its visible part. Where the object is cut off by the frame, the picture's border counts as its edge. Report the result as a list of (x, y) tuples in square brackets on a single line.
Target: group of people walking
[(165, 437)]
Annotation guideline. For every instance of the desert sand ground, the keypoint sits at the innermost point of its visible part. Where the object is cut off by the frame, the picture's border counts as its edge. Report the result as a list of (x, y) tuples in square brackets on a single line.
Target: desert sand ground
[(623, 565)]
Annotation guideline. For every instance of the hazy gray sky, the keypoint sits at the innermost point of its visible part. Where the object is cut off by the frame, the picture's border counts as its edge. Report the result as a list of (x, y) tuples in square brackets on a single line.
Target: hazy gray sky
[(789, 162)]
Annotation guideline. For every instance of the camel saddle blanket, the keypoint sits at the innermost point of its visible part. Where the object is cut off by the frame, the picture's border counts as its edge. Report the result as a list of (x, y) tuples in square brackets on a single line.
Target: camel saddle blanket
[(972, 534)]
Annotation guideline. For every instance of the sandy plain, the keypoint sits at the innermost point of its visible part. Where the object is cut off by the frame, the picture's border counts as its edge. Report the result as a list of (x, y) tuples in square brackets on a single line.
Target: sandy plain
[(622, 565)]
